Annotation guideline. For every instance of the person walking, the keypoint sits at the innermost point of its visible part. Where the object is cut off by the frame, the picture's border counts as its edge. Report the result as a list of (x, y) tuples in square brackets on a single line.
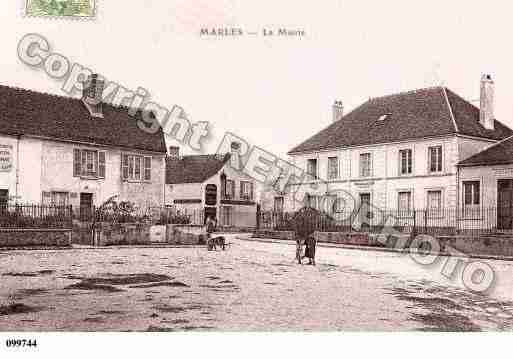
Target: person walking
[(311, 245), (210, 227)]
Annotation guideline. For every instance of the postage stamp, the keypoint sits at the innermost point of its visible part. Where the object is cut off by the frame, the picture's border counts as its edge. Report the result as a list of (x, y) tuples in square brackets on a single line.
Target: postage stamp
[(80, 9)]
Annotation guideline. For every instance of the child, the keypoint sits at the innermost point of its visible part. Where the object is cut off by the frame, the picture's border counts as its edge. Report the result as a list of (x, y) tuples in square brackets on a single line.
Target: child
[(299, 250)]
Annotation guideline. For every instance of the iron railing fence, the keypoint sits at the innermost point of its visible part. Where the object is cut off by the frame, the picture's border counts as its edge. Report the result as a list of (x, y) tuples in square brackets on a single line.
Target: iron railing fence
[(443, 221), (35, 216), (152, 214)]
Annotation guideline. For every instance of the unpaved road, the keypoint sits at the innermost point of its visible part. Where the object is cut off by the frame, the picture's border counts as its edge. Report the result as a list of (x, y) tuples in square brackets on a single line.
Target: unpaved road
[(251, 286)]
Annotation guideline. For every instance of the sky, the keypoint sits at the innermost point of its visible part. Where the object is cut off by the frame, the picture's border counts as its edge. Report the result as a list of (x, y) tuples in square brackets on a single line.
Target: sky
[(275, 92)]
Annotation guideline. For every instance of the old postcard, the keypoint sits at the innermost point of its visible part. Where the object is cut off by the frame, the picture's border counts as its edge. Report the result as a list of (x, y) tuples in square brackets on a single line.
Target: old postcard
[(241, 166)]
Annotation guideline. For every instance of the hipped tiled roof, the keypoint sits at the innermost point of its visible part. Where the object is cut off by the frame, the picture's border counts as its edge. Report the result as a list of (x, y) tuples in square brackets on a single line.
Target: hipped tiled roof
[(193, 169), (429, 112), (26, 112)]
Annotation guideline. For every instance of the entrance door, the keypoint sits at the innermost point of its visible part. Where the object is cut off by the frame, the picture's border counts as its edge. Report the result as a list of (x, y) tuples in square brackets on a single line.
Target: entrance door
[(505, 204), (210, 212), (4, 199), (86, 206), (365, 200)]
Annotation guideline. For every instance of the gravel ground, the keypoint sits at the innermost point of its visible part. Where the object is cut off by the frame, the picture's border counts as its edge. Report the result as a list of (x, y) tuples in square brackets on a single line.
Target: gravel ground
[(251, 286)]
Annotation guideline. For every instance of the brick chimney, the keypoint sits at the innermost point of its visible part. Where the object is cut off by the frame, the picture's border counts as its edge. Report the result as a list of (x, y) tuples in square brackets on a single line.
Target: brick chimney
[(338, 110), (174, 152), (486, 113), (235, 155), (92, 95)]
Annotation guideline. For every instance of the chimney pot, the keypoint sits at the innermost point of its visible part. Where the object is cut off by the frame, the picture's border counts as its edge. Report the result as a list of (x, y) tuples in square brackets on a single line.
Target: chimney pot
[(338, 110), (93, 89), (174, 152), (486, 108), (92, 95)]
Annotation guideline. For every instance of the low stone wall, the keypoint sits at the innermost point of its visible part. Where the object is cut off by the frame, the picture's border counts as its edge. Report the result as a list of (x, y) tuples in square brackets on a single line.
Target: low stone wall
[(82, 233), (186, 234), (109, 234), (477, 246), (35, 237), (356, 238), (494, 246), (286, 235)]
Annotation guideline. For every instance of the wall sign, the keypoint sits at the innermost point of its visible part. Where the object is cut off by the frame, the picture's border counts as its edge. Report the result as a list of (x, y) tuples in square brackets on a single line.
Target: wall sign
[(5, 158)]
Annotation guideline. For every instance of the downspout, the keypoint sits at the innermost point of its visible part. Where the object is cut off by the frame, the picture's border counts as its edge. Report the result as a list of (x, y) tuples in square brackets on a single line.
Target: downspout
[(165, 175), (458, 197), (17, 167)]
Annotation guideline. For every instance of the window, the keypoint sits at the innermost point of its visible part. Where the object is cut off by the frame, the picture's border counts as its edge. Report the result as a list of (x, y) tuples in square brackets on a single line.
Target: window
[(404, 203), (55, 198), (311, 168), (405, 162), (435, 159), (229, 192), (88, 163), (135, 168), (312, 201), (471, 196), (332, 168), (278, 204), (246, 190), (226, 216), (365, 165), (434, 202)]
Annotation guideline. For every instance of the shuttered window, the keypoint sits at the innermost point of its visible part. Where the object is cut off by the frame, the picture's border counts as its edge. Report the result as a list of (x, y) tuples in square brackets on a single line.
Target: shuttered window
[(101, 164), (89, 163), (77, 168), (147, 168)]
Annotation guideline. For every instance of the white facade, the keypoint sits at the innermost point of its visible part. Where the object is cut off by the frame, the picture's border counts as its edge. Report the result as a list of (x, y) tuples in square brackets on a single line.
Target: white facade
[(42, 171), (486, 194), (236, 211), (388, 184)]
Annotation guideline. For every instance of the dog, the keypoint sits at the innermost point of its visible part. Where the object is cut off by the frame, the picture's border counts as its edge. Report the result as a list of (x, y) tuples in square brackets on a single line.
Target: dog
[(220, 241), (211, 244)]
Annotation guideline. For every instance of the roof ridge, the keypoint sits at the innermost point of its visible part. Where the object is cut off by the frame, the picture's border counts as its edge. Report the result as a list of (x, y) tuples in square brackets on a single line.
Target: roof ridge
[(38, 92), (444, 90)]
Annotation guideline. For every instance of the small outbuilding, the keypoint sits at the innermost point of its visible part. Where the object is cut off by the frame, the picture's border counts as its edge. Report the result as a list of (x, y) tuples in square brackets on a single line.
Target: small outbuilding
[(486, 186)]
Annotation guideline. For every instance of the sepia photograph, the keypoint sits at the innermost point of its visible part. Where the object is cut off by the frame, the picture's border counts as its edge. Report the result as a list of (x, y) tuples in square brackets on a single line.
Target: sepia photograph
[(329, 174)]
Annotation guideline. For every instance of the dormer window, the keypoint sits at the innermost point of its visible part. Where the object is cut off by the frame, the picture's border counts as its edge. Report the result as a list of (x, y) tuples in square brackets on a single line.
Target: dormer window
[(383, 117)]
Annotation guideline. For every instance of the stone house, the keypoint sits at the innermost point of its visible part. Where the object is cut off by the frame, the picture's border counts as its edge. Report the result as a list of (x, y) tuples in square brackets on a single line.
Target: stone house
[(486, 187), (207, 185), (57, 150), (397, 152)]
